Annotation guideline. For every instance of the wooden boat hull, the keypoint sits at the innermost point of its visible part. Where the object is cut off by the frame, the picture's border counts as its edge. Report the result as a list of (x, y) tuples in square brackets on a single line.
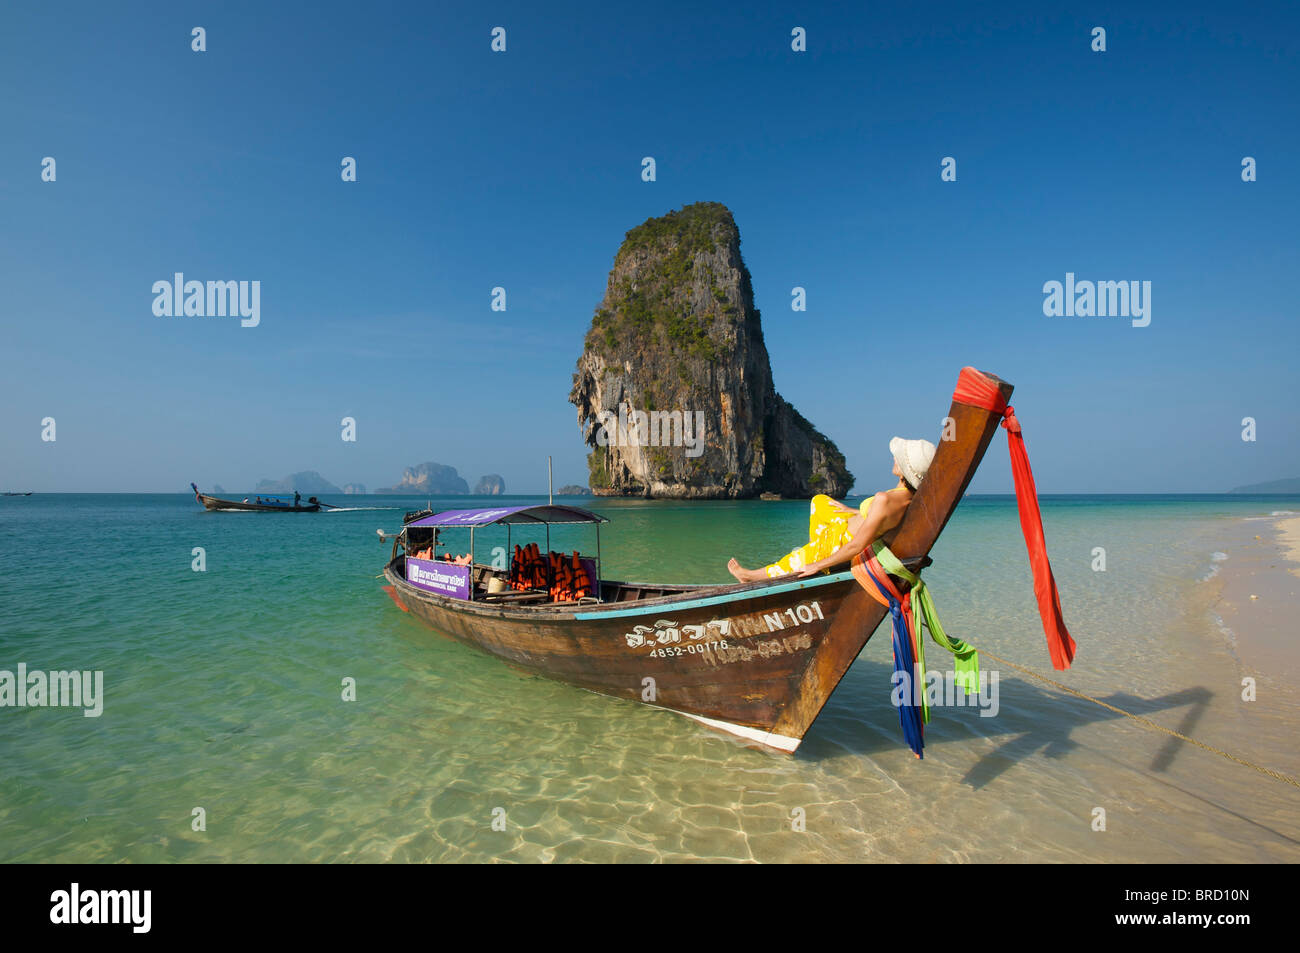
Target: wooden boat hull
[(214, 504), (745, 658), (757, 660)]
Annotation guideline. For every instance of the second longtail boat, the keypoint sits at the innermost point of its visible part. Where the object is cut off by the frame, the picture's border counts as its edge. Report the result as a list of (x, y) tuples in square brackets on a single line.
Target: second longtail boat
[(260, 504)]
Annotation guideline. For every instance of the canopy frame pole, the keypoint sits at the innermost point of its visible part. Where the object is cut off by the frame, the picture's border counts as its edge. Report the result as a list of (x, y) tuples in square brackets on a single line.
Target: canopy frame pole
[(599, 598), (471, 564)]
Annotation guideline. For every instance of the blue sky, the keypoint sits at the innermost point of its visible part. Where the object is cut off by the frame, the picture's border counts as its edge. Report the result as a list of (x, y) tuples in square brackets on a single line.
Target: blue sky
[(522, 169)]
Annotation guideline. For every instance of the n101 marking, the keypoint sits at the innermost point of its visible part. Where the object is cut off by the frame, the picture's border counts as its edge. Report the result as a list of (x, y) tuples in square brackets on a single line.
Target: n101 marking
[(803, 613)]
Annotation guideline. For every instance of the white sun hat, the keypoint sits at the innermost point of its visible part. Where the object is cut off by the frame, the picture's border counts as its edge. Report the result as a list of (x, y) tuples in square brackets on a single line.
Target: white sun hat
[(913, 458)]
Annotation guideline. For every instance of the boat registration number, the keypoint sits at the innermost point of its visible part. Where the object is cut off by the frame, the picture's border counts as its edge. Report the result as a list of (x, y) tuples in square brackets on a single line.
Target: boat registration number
[(667, 639), (694, 648)]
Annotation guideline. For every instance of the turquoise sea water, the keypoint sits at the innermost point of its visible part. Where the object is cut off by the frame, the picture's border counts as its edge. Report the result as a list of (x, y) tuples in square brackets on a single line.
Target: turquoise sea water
[(222, 690)]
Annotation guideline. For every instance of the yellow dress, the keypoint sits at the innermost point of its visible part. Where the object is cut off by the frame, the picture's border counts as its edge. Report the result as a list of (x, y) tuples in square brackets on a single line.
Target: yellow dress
[(828, 530)]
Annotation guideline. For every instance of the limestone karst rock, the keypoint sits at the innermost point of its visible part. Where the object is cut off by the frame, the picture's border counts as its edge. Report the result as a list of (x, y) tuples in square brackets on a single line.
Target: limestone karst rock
[(678, 340), (429, 478)]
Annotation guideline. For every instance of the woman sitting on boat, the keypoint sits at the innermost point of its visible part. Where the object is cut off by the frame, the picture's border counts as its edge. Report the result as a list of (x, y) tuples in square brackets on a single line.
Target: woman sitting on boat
[(837, 533)]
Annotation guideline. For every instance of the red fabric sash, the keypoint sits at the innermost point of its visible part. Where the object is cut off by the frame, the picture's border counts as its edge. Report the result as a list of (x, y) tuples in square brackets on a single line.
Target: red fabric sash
[(975, 389)]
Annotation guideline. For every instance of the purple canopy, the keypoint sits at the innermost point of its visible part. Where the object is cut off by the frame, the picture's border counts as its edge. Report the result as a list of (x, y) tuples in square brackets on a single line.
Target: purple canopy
[(510, 514)]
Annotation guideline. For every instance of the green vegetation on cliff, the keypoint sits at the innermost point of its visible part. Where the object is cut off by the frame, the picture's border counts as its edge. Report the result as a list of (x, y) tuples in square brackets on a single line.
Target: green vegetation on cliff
[(652, 306), (835, 464), (691, 229), (597, 475)]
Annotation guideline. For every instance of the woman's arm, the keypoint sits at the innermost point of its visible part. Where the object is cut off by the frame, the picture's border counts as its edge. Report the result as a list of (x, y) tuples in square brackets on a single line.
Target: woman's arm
[(872, 526)]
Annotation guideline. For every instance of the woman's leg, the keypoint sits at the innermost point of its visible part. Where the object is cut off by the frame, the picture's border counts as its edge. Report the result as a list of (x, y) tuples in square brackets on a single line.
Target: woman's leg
[(792, 561)]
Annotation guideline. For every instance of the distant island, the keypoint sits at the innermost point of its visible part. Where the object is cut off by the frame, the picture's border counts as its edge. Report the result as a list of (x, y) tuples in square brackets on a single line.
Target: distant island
[(432, 479), (306, 482), (674, 387), (1290, 485), (429, 479), (572, 489)]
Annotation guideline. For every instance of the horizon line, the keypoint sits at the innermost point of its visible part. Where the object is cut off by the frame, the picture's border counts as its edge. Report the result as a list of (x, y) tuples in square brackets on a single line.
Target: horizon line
[(789, 499)]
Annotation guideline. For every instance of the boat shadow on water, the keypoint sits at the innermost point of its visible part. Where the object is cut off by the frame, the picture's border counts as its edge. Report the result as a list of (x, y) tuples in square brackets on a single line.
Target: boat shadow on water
[(1029, 721)]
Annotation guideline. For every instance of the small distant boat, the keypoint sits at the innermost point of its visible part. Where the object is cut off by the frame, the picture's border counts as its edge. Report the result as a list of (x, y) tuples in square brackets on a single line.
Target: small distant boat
[(757, 660), (9, 493), (260, 504)]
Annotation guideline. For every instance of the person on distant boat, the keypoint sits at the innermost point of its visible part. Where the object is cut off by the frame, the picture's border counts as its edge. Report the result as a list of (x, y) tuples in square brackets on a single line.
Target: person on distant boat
[(296, 497), (837, 533)]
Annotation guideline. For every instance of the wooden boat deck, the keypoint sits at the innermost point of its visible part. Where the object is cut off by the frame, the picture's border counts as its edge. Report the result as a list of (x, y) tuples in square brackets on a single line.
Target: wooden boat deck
[(614, 594)]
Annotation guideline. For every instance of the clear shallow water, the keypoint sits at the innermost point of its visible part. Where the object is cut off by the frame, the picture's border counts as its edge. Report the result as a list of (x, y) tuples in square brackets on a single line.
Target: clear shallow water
[(223, 691)]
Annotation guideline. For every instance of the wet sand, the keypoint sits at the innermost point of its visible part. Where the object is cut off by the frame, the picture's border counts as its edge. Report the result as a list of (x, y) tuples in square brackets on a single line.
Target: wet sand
[(1259, 599)]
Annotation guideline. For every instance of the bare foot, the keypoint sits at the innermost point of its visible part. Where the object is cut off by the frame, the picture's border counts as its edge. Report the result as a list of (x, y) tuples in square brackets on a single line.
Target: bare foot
[(745, 575)]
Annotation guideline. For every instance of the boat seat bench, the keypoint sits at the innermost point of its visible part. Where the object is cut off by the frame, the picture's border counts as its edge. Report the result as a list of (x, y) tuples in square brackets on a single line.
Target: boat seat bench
[(513, 596)]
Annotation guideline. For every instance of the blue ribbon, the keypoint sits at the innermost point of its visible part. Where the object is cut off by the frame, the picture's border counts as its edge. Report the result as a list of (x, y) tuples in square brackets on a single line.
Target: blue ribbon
[(909, 713)]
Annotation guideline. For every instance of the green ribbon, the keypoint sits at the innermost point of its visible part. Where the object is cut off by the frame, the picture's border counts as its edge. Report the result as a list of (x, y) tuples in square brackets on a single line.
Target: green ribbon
[(966, 663)]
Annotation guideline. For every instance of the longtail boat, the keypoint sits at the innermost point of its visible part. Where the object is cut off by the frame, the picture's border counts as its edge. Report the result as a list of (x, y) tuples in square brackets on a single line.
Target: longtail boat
[(268, 504), (757, 660)]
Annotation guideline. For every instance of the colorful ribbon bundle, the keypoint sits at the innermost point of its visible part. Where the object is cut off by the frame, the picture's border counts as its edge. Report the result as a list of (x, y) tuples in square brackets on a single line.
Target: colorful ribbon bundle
[(910, 611)]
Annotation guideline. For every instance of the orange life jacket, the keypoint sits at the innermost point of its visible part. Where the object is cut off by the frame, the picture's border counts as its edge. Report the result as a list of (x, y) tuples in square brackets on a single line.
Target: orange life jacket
[(552, 575), (516, 569), (536, 567), (582, 584)]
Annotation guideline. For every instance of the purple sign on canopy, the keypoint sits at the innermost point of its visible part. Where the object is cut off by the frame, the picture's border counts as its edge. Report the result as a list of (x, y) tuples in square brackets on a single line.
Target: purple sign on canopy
[(468, 517), (446, 579), (535, 515), (476, 517)]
